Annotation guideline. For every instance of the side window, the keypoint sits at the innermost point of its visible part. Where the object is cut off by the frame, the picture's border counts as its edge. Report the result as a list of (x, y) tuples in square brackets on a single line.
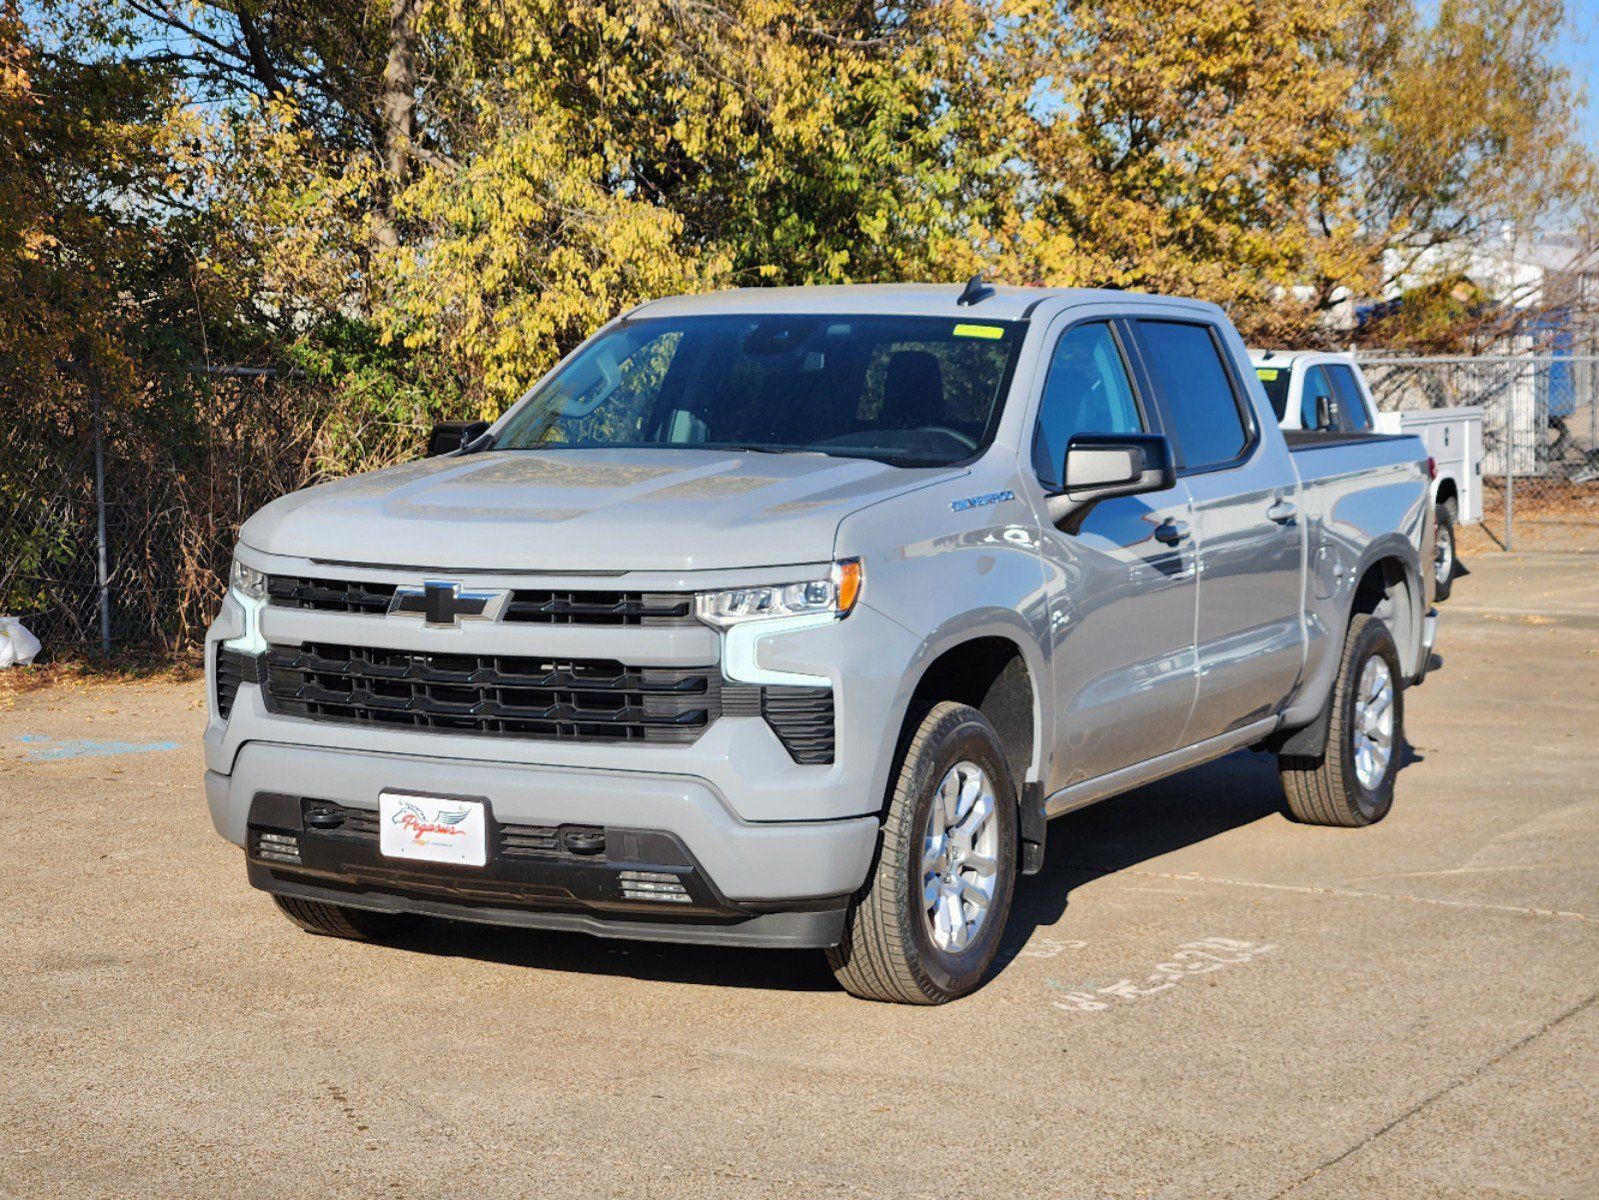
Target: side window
[(1352, 414), (1086, 391), (1200, 404)]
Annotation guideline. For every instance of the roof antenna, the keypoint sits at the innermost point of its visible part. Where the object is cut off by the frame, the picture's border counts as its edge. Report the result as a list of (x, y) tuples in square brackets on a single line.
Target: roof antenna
[(976, 290)]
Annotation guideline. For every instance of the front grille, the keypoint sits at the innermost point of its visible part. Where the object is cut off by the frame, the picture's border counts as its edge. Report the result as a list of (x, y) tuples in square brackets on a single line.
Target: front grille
[(531, 606), (329, 595), (493, 695), (600, 608), (233, 668)]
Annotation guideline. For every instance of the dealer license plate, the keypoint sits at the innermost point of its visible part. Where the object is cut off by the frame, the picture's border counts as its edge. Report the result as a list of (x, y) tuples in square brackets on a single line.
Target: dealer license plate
[(433, 829)]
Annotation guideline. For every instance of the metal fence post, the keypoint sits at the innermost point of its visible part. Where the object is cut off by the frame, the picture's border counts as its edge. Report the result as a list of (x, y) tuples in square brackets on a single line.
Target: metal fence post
[(1510, 467), (101, 575)]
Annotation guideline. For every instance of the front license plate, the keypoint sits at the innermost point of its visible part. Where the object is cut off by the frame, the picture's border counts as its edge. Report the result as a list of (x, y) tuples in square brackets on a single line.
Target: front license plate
[(433, 829)]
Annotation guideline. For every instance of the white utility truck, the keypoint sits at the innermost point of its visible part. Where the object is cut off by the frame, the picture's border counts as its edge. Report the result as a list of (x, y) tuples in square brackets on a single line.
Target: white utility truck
[(1314, 390)]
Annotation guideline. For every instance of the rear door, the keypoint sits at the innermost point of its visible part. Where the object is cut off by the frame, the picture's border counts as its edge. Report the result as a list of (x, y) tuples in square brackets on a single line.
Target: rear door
[(1242, 486), (1121, 580)]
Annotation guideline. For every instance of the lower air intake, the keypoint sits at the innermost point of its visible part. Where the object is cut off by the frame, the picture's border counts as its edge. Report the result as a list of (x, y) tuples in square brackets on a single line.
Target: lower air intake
[(658, 886), (277, 847)]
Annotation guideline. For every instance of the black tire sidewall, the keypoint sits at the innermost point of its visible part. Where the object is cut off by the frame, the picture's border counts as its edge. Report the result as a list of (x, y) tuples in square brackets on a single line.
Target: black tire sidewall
[(1373, 640), (1445, 520), (969, 737)]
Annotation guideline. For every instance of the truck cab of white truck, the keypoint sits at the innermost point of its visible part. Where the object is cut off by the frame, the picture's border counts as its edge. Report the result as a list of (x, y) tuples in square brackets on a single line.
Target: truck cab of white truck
[(1320, 390), (789, 617)]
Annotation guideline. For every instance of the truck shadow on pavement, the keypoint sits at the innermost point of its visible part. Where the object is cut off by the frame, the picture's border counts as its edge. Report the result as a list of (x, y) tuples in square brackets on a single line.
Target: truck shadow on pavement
[(1102, 839), (1144, 824)]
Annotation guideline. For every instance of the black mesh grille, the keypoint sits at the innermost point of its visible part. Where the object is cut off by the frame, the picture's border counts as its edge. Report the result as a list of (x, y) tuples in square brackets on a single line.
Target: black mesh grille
[(494, 695), (234, 668), (532, 606)]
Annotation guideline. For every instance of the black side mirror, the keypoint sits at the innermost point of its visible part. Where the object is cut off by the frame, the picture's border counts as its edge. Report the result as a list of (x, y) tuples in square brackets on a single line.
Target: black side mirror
[(1100, 466), (1324, 413), (449, 436)]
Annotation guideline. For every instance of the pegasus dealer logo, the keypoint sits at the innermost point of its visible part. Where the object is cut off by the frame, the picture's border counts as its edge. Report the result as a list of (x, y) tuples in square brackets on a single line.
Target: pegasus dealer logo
[(417, 823)]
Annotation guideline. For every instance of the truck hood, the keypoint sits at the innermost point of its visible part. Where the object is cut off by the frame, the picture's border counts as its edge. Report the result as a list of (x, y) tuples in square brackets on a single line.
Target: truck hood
[(583, 510)]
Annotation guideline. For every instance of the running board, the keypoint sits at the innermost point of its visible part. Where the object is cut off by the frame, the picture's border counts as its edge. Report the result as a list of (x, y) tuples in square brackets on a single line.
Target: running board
[(1079, 795)]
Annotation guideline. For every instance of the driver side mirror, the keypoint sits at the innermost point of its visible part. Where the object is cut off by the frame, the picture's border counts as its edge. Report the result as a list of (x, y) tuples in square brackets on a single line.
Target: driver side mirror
[(1101, 466), (449, 436), (1324, 413)]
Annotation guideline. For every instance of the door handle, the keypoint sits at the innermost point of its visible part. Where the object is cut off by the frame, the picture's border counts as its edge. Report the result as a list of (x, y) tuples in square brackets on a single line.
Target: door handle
[(1171, 532), (1282, 512)]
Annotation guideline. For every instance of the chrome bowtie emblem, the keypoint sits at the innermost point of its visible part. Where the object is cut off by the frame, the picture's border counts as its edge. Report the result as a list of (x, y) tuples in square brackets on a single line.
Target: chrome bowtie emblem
[(439, 603)]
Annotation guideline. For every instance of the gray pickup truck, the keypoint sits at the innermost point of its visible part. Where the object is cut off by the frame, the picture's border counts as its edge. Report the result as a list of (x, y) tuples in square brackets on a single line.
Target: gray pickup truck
[(790, 617)]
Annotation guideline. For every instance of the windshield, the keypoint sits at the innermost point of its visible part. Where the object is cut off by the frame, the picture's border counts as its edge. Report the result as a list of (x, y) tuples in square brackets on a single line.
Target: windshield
[(914, 391), (1275, 381)]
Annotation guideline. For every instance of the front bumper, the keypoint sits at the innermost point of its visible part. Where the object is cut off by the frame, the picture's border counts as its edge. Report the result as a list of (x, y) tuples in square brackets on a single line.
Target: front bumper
[(749, 883)]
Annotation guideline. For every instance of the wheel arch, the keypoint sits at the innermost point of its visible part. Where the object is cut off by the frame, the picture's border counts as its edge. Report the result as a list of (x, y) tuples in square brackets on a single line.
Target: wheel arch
[(996, 669), (1386, 585)]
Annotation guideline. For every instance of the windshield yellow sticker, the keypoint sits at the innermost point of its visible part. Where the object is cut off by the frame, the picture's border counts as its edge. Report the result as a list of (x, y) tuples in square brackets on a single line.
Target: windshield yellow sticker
[(1266, 374), (991, 332)]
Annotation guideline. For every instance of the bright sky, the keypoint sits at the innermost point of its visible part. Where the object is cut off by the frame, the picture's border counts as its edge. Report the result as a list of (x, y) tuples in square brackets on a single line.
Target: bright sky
[(1581, 55)]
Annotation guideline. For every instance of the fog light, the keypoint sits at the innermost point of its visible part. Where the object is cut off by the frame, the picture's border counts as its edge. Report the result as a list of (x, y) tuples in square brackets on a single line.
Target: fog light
[(653, 885)]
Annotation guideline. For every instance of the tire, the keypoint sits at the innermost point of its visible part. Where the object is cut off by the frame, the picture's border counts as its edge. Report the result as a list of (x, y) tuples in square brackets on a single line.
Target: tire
[(1445, 560), (1337, 787), (891, 948), (335, 920)]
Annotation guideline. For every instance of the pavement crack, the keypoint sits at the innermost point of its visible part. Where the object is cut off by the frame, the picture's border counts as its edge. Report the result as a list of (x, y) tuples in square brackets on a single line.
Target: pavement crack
[(1427, 1101), (1313, 890)]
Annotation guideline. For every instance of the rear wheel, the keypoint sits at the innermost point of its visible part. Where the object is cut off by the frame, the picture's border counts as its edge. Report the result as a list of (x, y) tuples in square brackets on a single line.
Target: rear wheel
[(926, 927), (1351, 783), (1443, 557), (335, 920)]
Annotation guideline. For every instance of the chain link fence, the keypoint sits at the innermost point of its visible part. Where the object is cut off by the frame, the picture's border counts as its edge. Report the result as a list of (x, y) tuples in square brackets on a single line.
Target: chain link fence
[(118, 519), (1540, 436)]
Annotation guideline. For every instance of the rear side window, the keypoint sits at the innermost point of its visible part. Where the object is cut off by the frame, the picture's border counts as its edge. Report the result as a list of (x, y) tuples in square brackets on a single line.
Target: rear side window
[(1086, 391), (1317, 388), (1200, 404), (1352, 414)]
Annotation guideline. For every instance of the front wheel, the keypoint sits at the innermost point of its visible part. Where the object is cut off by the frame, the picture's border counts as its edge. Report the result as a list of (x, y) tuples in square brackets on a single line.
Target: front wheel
[(925, 928), (1351, 783), (338, 920)]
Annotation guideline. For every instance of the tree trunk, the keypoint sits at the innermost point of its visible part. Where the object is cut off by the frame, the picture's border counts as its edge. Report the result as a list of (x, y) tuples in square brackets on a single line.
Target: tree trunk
[(397, 113)]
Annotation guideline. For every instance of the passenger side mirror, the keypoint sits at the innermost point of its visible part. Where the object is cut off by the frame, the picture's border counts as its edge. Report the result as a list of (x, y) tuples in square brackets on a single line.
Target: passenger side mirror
[(450, 436), (1324, 413), (1101, 466)]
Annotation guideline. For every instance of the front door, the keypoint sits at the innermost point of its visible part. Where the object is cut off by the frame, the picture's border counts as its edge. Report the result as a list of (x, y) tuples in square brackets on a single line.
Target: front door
[(1121, 581)]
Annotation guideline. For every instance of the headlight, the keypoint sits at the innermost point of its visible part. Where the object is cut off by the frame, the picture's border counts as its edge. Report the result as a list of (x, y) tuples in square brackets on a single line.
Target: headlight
[(247, 581), (835, 596)]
